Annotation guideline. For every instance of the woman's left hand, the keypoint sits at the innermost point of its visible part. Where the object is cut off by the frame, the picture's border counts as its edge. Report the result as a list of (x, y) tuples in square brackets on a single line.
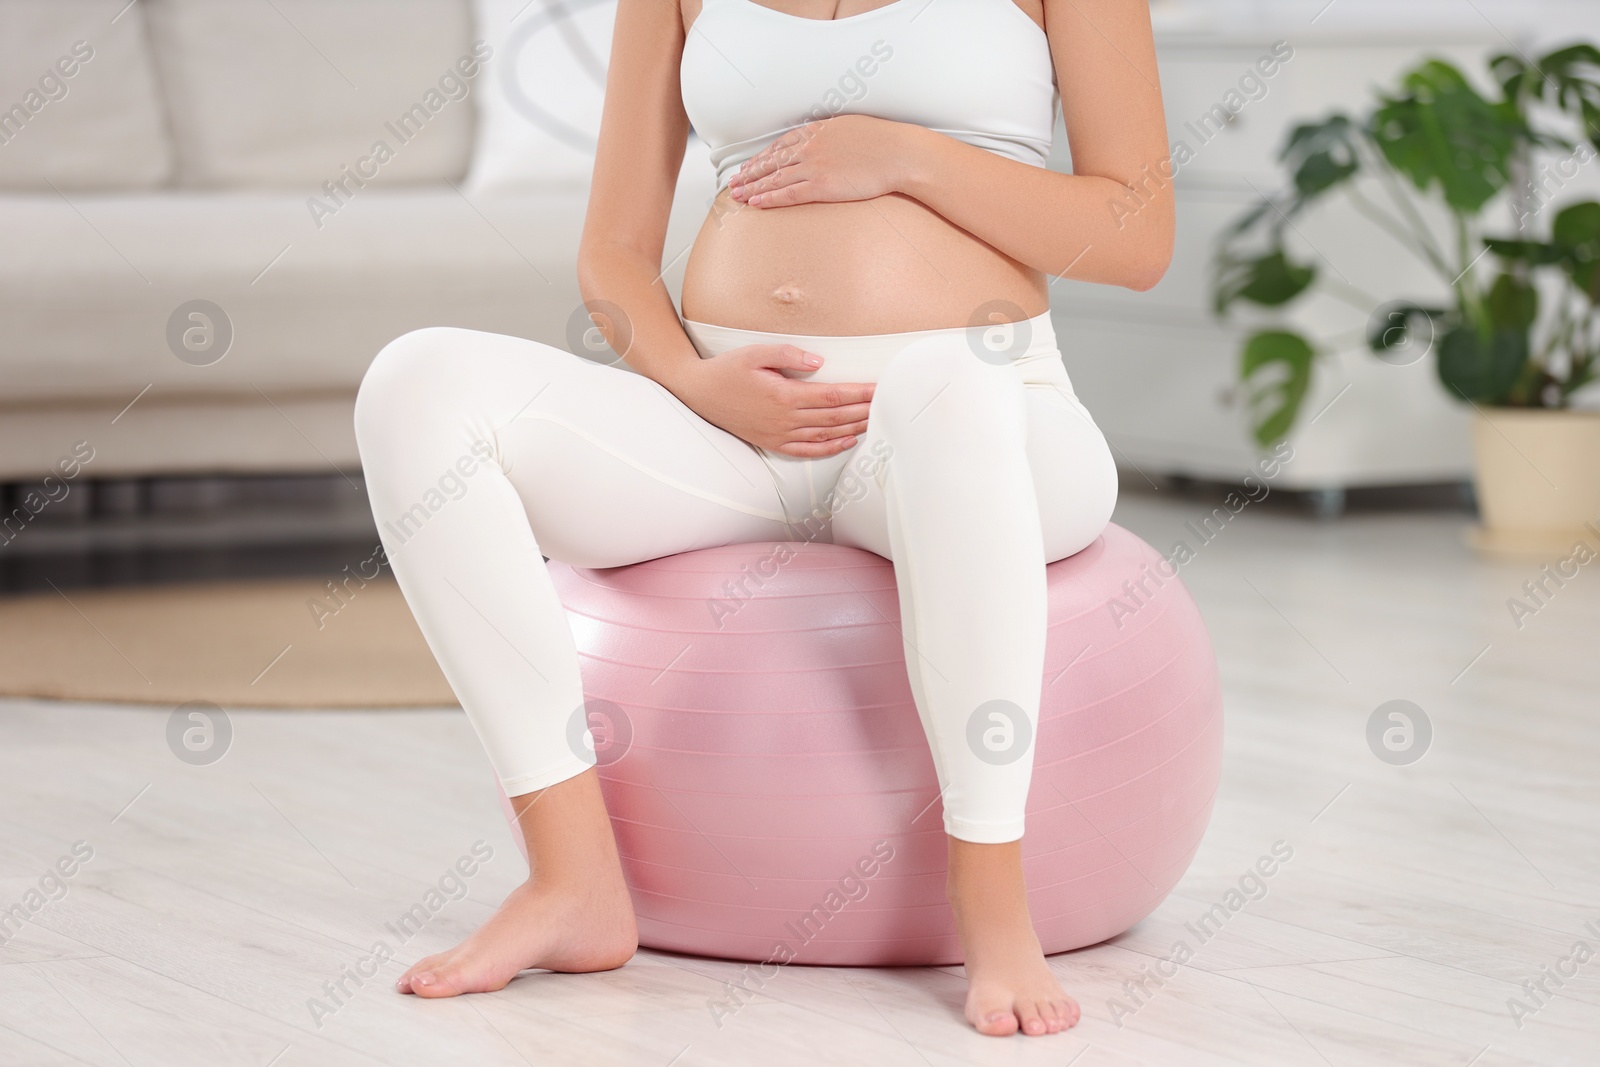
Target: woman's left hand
[(847, 157)]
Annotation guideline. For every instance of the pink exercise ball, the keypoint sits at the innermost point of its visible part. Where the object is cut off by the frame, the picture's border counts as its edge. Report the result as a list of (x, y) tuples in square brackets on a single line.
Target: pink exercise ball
[(771, 785)]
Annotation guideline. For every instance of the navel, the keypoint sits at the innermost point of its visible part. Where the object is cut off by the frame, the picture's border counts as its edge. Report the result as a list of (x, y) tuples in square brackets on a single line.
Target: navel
[(788, 296)]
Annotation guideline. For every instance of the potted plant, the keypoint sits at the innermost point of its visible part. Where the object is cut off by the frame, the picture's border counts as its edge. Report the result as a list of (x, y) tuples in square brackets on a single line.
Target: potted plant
[(1517, 336)]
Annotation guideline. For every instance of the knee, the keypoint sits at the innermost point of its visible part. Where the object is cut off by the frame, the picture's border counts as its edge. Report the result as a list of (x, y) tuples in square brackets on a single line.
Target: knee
[(404, 374), (420, 379)]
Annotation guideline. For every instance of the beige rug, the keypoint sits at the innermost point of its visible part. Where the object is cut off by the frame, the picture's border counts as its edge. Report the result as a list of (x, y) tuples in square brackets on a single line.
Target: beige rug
[(236, 644)]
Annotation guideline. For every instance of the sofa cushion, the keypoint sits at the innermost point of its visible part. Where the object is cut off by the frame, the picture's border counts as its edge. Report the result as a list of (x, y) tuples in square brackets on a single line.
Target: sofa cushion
[(90, 311), (539, 105), (290, 93), (99, 305), (79, 107)]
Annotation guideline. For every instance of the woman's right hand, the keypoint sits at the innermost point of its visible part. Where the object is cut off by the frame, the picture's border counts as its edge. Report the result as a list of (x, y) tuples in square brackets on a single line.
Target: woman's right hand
[(745, 392)]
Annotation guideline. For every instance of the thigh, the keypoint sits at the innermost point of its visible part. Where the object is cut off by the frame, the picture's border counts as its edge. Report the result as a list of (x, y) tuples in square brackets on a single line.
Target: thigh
[(1074, 478), (608, 467), (1074, 474), (613, 469)]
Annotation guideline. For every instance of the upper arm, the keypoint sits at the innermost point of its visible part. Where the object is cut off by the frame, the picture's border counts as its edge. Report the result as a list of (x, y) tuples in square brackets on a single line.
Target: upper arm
[(643, 130), (1105, 61)]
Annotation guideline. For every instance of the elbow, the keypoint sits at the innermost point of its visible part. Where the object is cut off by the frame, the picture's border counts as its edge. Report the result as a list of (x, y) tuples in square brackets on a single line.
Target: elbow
[(1150, 265), (602, 261), (1147, 274), (588, 266), (596, 267)]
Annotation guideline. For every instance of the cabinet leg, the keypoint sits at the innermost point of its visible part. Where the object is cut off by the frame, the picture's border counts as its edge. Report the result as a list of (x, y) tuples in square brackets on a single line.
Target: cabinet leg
[(1326, 503)]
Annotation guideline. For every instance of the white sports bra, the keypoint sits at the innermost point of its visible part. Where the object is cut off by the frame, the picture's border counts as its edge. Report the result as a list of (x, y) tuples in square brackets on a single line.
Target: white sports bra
[(976, 70)]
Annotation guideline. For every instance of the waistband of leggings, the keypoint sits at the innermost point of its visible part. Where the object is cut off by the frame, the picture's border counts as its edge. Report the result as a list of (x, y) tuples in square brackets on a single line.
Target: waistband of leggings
[(1001, 342)]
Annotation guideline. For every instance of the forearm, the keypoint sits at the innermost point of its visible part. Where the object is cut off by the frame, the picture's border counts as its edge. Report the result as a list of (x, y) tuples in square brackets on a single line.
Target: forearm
[(1085, 227), (629, 303)]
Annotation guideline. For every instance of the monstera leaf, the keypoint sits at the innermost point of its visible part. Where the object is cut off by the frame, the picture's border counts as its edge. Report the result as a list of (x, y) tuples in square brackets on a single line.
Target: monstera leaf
[(1512, 304), (1566, 78), (1440, 133), (1270, 280), (1533, 253), (1402, 325), (1576, 235), (1479, 365), (1321, 155), (1574, 246), (1284, 359)]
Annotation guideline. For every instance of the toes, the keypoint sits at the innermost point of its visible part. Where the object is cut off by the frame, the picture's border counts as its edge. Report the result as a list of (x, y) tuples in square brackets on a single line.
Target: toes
[(1032, 1020), (994, 1018), (441, 982), (998, 1023), (1065, 1013), (425, 984), (405, 984), (455, 978)]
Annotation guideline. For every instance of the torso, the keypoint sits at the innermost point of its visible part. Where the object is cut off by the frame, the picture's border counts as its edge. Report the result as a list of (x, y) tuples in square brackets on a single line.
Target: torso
[(885, 265)]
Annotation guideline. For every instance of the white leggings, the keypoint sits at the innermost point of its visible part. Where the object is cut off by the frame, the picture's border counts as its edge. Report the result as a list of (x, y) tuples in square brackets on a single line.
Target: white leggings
[(979, 465)]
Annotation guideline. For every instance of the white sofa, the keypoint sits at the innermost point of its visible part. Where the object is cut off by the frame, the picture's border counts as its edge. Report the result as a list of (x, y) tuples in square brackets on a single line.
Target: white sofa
[(168, 151)]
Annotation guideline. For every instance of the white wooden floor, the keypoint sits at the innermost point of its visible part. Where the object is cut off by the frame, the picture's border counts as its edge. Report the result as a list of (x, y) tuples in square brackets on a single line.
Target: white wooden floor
[(220, 898)]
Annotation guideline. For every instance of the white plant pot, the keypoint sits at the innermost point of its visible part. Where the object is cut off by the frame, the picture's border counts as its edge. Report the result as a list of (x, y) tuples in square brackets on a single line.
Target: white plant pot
[(1538, 479)]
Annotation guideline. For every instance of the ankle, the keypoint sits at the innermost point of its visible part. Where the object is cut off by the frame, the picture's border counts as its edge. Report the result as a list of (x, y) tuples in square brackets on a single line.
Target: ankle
[(583, 879), (567, 836), (985, 885), (974, 865)]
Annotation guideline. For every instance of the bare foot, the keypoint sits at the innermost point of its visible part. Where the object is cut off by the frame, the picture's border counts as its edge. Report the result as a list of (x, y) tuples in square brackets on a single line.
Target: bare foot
[(1010, 987), (551, 929), (573, 913)]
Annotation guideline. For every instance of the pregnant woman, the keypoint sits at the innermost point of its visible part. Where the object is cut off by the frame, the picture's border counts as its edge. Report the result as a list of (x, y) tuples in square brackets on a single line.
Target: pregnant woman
[(868, 298)]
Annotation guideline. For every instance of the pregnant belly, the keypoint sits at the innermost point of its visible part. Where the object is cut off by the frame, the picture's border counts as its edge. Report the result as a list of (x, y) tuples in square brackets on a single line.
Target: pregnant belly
[(887, 265)]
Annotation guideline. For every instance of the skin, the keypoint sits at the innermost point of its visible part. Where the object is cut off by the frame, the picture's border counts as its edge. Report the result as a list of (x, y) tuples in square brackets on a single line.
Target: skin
[(849, 225)]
